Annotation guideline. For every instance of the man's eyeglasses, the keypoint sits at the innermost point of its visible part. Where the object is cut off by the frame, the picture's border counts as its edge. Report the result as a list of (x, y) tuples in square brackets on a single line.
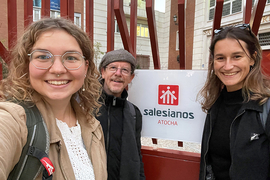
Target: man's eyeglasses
[(240, 26), (43, 59), (114, 69)]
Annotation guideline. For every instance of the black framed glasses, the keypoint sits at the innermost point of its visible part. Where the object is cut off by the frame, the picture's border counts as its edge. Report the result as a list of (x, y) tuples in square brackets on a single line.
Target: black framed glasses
[(240, 26), (43, 59)]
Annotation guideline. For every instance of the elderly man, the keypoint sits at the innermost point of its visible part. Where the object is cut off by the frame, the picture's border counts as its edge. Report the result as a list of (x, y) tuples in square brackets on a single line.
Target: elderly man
[(121, 120)]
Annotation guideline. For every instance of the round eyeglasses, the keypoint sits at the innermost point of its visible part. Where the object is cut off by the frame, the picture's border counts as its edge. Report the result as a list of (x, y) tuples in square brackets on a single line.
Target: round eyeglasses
[(43, 59), (114, 69)]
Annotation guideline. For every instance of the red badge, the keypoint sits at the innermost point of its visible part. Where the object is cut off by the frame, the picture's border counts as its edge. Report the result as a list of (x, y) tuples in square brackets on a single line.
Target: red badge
[(168, 94), (48, 165)]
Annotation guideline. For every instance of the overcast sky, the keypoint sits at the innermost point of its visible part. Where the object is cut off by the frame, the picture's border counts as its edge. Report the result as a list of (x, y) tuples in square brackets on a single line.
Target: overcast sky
[(160, 5)]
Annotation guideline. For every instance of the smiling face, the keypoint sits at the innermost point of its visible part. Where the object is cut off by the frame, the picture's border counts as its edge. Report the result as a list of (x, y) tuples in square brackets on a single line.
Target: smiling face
[(57, 83), (115, 82), (231, 63)]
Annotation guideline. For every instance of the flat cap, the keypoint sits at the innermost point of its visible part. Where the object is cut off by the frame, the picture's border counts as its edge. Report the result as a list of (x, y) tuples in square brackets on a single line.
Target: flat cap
[(117, 55)]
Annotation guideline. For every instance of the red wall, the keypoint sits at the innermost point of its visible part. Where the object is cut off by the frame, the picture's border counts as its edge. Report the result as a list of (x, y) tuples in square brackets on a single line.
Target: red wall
[(266, 61), (166, 164)]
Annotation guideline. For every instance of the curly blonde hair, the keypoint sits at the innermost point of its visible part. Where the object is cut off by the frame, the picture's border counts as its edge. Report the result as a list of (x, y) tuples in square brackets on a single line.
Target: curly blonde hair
[(17, 84)]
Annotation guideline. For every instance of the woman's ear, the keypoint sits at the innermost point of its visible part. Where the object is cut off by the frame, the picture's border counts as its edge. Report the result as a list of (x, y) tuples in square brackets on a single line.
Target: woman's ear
[(253, 58), (86, 65), (255, 54)]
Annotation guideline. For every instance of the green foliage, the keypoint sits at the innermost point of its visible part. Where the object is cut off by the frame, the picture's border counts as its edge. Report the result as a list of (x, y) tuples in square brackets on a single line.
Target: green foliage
[(98, 52), (140, 3), (4, 68)]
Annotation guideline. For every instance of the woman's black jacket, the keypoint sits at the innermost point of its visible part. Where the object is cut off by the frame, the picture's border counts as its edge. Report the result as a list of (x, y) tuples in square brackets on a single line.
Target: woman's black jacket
[(249, 143)]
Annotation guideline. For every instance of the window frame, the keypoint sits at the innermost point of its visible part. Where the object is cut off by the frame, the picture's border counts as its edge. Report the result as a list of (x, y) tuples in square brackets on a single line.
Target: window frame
[(116, 27), (78, 15), (36, 9), (56, 14), (264, 47), (142, 26), (224, 3)]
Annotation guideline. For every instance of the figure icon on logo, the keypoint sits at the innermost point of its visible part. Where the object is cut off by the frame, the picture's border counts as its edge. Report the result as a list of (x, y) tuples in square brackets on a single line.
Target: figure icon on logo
[(168, 94)]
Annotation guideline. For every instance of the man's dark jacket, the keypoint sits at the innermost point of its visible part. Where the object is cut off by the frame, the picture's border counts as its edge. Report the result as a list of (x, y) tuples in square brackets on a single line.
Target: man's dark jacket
[(249, 143), (122, 135)]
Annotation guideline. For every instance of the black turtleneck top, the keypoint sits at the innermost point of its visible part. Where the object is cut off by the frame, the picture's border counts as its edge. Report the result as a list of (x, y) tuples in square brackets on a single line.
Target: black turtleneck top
[(219, 145)]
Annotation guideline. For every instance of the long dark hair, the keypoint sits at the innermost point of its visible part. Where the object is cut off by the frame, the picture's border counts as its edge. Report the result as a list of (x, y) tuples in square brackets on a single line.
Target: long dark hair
[(256, 84)]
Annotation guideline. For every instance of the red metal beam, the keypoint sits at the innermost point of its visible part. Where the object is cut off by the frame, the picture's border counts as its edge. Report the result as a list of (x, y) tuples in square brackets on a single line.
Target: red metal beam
[(67, 9), (12, 25), (28, 12), (182, 32), (3, 52), (153, 32), (45, 8), (71, 10), (247, 11), (133, 24), (89, 13), (110, 25), (217, 15), (64, 8), (1, 71), (122, 23), (256, 16), (4, 55), (12, 30)]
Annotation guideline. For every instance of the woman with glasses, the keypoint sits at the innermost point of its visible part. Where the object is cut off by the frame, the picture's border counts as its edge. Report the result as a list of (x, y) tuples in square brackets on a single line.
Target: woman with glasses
[(52, 68), (235, 142)]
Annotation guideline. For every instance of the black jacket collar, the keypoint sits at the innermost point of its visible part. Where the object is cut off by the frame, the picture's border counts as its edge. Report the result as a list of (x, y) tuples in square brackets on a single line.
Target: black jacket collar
[(114, 101)]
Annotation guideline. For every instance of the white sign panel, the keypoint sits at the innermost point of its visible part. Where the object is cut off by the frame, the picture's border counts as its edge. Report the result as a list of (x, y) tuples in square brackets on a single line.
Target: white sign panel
[(167, 101)]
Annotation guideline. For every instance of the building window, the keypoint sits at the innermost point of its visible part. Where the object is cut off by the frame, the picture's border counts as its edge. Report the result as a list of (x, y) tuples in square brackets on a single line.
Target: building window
[(37, 3), (264, 39), (116, 27), (229, 7), (55, 14), (77, 19), (142, 30), (36, 13), (36, 10), (54, 6)]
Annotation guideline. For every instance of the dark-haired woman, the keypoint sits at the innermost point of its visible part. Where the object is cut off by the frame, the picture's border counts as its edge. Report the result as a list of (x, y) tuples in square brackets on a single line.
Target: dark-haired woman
[(235, 143)]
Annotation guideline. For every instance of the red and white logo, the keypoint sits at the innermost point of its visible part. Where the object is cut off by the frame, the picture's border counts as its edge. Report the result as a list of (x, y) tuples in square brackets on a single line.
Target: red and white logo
[(48, 165), (168, 94)]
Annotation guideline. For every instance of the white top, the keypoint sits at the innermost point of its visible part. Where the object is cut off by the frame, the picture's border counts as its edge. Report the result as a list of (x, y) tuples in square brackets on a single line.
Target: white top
[(81, 163)]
